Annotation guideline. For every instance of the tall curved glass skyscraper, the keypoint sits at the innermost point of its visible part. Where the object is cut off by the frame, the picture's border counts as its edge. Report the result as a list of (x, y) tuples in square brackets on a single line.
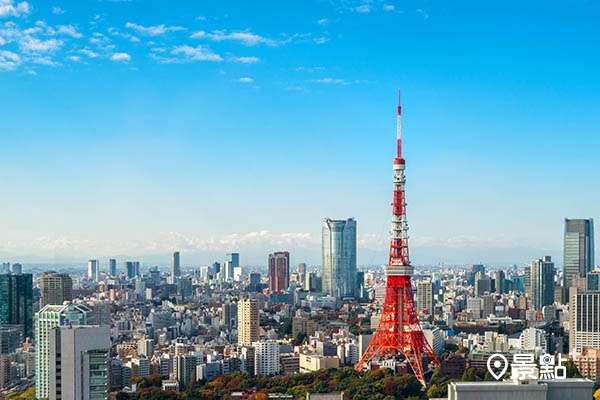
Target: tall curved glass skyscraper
[(339, 257)]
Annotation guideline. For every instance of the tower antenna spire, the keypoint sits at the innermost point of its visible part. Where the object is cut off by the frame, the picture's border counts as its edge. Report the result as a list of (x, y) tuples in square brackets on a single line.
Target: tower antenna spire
[(399, 128)]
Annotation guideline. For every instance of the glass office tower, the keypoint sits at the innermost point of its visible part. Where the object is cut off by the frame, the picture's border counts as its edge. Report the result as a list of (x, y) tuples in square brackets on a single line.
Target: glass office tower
[(339, 258), (578, 249)]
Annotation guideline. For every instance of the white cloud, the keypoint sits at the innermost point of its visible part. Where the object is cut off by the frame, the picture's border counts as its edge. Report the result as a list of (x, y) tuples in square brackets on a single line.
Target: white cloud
[(246, 79), (365, 8), (245, 60), (321, 40), (322, 22), (69, 30), (246, 38), (57, 10), (8, 8), (88, 53), (30, 44), (198, 53), (388, 7), (152, 30), (335, 81), (120, 57), (44, 60), (9, 60), (74, 58)]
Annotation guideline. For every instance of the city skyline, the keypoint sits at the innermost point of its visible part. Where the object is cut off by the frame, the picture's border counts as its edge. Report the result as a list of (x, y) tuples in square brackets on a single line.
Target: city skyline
[(154, 152)]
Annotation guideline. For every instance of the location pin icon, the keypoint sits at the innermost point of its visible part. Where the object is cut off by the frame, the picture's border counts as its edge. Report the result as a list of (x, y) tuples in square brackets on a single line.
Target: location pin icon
[(497, 362)]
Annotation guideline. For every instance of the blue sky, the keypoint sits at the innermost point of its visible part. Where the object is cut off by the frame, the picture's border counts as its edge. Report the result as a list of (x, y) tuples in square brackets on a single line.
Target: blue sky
[(139, 127)]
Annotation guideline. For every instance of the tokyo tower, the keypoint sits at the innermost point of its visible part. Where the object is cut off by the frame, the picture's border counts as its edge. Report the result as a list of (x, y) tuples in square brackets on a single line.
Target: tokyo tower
[(399, 331)]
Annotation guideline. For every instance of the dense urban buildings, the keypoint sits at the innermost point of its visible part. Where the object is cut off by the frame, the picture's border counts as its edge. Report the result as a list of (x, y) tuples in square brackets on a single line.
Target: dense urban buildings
[(270, 321), (55, 288), (578, 249), (339, 257), (279, 272)]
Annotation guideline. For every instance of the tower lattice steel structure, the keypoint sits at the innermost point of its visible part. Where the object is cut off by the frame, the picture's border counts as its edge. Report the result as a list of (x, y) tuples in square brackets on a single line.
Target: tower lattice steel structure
[(399, 331)]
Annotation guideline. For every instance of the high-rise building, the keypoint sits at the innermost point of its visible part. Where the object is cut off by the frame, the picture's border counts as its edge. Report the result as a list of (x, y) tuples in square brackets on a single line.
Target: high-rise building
[(175, 265), (578, 249), (266, 358), (499, 278), (279, 272), (112, 267), (233, 258), (136, 268), (17, 268), (542, 282), (185, 287), (339, 257), (425, 297), (184, 367), (584, 315), (11, 337), (129, 269), (49, 317), (217, 273), (255, 285), (79, 362), (16, 302), (93, 270), (55, 288), (228, 269), (475, 268), (592, 281), (301, 270), (360, 285), (248, 321), (229, 314), (145, 347)]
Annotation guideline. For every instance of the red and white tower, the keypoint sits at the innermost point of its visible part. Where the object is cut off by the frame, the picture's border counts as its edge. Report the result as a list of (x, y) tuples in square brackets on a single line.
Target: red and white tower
[(399, 331)]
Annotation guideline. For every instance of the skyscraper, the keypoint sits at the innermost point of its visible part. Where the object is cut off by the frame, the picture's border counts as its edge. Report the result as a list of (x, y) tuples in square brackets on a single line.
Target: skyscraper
[(55, 288), (266, 358), (79, 359), (279, 272), (425, 297), (112, 267), (542, 282), (248, 321), (339, 257), (301, 269), (584, 317), (17, 268), (52, 316), (578, 249), (233, 258), (129, 269), (16, 302), (499, 278), (175, 266), (93, 270)]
